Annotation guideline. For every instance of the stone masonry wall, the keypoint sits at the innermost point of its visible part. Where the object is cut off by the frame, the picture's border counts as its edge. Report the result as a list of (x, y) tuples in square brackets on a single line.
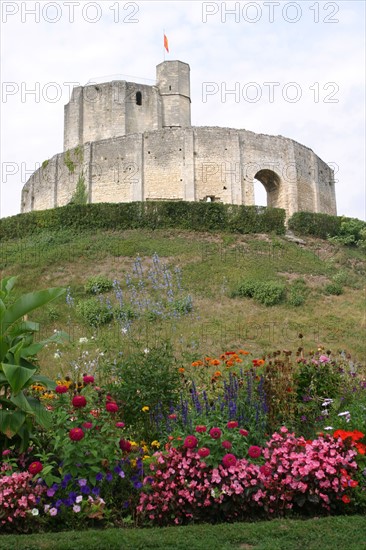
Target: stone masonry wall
[(187, 164)]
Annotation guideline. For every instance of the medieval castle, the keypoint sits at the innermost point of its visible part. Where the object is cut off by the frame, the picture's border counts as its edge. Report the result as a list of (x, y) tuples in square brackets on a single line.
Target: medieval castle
[(133, 142)]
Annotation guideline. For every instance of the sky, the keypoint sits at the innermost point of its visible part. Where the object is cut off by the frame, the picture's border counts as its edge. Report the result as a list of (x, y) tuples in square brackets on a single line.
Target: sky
[(297, 69)]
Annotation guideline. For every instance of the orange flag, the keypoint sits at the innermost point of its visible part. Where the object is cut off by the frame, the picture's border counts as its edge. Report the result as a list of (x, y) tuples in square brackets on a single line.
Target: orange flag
[(166, 43)]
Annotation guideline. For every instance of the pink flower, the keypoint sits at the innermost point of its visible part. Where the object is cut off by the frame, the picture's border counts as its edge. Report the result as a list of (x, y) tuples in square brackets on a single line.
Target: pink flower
[(324, 359), (111, 407), (229, 460), (61, 389), (78, 401), (6, 452), (254, 451), (215, 433), (76, 434), (243, 432), (35, 468), (232, 424), (226, 444), (203, 452), (201, 429), (120, 424), (88, 379), (88, 425), (190, 442), (265, 470)]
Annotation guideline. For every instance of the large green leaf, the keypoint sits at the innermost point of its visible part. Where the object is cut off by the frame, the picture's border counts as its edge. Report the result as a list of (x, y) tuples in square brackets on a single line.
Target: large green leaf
[(7, 283), (11, 422), (22, 402), (45, 381), (27, 303), (17, 376), (42, 415)]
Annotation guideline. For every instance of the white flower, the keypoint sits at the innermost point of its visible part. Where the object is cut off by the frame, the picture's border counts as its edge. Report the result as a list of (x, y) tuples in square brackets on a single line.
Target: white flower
[(57, 355), (124, 330), (76, 508), (344, 413), (329, 428), (79, 499), (146, 350), (35, 512), (327, 402), (83, 340)]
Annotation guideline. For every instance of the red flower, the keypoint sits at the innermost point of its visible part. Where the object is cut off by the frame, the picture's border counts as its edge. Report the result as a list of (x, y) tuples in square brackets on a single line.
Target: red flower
[(346, 499), (201, 429), (111, 407), (79, 401), (232, 424), (254, 451), (120, 424), (265, 470), (76, 434), (173, 416), (88, 379), (88, 425), (243, 432), (203, 452), (215, 433), (61, 389), (226, 444), (35, 468), (190, 442), (229, 460), (125, 445)]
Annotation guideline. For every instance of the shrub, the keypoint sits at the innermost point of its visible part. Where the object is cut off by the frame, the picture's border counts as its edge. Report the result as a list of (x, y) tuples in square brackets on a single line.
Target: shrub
[(94, 312), (334, 289), (297, 293), (316, 224), (98, 284), (351, 233), (269, 293)]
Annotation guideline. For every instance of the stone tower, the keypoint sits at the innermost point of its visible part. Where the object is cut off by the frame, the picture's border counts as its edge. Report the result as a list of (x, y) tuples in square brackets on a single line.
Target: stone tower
[(173, 82)]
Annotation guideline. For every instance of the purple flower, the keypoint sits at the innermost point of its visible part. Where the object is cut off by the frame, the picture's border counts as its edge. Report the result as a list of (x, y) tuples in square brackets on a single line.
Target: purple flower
[(59, 503), (96, 491), (85, 490), (121, 474), (109, 476), (137, 484), (50, 492), (82, 482), (99, 476)]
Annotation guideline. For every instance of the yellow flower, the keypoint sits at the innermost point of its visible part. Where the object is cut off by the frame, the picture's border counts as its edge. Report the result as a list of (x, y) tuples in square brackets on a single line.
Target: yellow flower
[(145, 409), (133, 463), (155, 443), (145, 457)]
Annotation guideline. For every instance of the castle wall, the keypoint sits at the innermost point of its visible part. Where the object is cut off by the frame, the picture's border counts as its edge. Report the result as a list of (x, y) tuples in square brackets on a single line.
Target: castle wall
[(187, 164)]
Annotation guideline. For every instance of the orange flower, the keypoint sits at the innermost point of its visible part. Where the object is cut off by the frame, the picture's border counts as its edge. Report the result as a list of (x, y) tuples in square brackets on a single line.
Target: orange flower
[(207, 359), (361, 448), (229, 363), (243, 352), (222, 357), (214, 362), (258, 362), (181, 369), (238, 360), (197, 363), (217, 374)]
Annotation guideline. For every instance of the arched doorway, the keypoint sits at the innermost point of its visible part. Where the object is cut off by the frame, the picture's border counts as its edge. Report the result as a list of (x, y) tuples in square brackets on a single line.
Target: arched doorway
[(266, 184)]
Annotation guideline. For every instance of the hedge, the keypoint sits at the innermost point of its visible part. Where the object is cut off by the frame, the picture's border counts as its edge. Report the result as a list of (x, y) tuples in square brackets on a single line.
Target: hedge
[(196, 216), (316, 224)]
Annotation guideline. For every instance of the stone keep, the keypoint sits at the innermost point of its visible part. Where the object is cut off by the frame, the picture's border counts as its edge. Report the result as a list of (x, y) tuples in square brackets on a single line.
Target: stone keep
[(133, 142)]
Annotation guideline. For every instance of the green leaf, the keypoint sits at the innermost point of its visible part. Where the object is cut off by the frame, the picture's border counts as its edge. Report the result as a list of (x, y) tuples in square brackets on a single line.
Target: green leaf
[(42, 415), (17, 376), (28, 302), (22, 403), (45, 381), (11, 422)]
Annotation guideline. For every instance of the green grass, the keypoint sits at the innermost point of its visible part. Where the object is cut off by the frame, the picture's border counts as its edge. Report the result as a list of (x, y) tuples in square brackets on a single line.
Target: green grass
[(329, 533), (213, 265)]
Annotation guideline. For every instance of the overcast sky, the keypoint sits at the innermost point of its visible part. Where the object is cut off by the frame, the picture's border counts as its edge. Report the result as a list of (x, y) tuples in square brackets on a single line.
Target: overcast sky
[(312, 52)]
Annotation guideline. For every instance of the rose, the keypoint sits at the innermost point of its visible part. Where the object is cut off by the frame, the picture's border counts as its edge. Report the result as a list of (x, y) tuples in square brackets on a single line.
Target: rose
[(203, 452), (254, 451), (88, 379), (78, 401), (229, 460), (76, 434), (111, 407), (215, 433), (232, 424), (35, 468), (61, 389), (190, 442)]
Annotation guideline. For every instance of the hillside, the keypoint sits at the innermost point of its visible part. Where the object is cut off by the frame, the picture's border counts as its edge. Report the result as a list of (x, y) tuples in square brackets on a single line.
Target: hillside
[(183, 286)]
